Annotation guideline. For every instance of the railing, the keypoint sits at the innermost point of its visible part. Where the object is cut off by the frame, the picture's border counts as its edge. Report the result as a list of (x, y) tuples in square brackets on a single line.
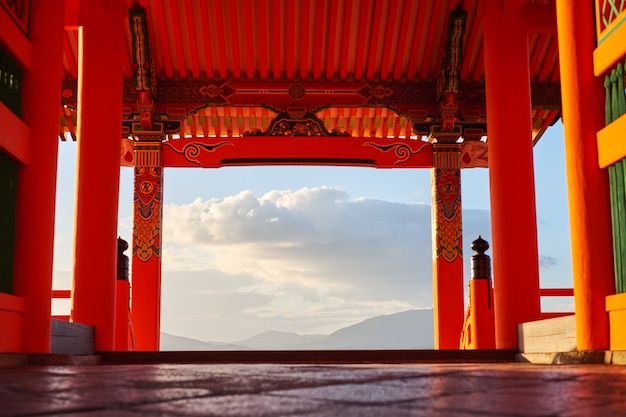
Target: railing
[(61, 294), (556, 292), (10, 83)]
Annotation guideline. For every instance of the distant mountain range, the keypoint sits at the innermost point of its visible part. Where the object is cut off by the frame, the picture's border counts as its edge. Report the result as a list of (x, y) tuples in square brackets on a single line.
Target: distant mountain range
[(412, 329)]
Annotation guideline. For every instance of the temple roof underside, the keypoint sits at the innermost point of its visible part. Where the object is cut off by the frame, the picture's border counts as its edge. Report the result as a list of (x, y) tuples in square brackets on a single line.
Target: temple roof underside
[(381, 69)]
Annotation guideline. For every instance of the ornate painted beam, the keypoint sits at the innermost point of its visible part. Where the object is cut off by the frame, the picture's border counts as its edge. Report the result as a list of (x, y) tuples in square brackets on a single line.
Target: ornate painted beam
[(300, 150), (176, 99)]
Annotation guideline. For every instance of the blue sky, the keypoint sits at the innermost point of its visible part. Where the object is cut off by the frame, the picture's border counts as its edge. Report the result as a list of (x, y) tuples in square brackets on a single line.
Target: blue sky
[(309, 249)]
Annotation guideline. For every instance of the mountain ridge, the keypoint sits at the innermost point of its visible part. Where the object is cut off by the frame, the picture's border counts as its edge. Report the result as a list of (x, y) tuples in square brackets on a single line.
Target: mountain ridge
[(411, 329)]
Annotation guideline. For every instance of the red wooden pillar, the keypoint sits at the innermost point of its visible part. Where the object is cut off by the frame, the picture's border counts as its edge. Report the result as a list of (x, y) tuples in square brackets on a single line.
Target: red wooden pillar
[(146, 261), (100, 74), (511, 176), (587, 184), (37, 181), (447, 245)]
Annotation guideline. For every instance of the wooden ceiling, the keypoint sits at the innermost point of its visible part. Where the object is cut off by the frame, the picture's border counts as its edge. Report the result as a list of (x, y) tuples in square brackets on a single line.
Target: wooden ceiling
[(256, 44)]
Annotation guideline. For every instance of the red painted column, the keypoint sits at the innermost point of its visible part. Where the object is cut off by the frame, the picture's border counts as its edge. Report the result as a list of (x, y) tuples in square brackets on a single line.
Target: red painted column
[(98, 167), (37, 181), (587, 184), (511, 176), (447, 246), (146, 260)]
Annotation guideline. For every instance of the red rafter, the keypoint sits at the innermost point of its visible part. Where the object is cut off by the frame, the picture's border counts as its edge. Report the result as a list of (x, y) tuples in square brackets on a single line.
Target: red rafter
[(275, 21), (363, 39), (407, 11), (206, 36), (549, 67), (332, 40), (471, 48), (538, 52), (264, 51), (435, 32), (128, 59), (253, 41), (190, 14), (221, 47), (161, 29), (174, 31), (391, 39), (418, 45), (377, 22), (304, 42), (319, 42), (233, 15), (290, 55)]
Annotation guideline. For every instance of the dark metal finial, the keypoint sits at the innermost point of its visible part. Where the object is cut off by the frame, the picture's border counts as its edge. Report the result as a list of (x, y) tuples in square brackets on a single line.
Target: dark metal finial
[(480, 245)]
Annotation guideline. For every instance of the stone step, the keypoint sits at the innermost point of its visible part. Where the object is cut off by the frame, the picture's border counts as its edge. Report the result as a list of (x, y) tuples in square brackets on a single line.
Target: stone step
[(71, 338), (550, 335)]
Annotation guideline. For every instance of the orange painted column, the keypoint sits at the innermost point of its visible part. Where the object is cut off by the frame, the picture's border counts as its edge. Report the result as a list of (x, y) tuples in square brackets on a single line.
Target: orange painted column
[(34, 228), (447, 246), (98, 167), (146, 260), (587, 184), (511, 175)]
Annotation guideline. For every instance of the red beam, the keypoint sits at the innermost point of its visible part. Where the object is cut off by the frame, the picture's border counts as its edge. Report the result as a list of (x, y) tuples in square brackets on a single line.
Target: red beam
[(553, 315), (281, 150), (61, 293), (556, 292)]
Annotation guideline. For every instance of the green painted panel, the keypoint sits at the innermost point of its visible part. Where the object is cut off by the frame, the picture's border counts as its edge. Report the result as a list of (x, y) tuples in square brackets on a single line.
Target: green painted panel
[(621, 192), (8, 199), (615, 223)]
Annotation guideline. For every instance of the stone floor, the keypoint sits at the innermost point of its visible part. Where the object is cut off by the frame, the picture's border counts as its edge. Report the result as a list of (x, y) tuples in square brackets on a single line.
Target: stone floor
[(389, 390)]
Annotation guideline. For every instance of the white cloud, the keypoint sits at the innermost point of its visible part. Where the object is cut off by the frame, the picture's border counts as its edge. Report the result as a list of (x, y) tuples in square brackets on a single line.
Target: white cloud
[(310, 260)]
